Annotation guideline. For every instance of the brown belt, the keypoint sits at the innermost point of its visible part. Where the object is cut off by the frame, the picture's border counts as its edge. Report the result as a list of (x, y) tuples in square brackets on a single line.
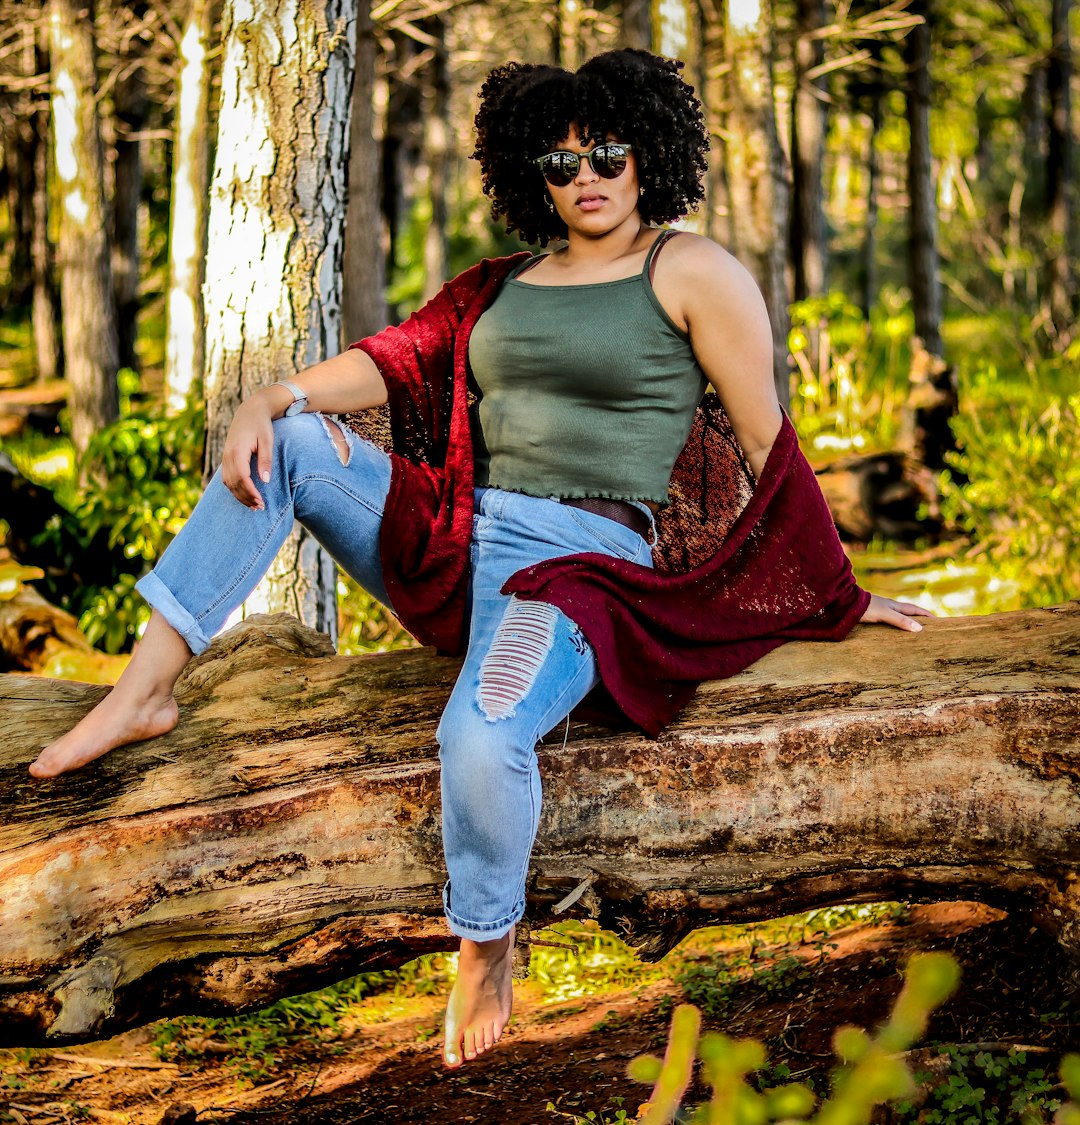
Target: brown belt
[(618, 510)]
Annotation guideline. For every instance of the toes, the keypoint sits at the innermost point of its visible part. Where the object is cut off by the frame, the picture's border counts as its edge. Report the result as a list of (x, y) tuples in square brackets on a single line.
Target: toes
[(489, 1036), (452, 1053), (470, 1044)]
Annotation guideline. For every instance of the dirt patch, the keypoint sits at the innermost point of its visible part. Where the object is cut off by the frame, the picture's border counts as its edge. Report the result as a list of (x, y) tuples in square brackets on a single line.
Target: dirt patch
[(573, 1053)]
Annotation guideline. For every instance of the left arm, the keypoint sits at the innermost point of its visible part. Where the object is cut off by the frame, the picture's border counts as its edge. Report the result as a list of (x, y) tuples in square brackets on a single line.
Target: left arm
[(718, 302)]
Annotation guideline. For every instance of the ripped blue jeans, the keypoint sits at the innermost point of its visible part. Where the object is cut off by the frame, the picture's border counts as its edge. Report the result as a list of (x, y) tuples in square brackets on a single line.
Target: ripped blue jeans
[(527, 664)]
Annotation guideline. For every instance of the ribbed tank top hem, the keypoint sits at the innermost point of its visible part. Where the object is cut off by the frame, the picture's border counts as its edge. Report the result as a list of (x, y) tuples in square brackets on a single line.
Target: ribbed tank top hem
[(578, 494)]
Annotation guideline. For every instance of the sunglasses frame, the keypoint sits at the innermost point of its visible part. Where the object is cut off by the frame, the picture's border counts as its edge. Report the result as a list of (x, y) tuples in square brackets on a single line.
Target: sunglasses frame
[(539, 161)]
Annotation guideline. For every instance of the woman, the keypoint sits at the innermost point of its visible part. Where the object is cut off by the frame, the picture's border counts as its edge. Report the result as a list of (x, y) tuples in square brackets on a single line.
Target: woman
[(563, 388)]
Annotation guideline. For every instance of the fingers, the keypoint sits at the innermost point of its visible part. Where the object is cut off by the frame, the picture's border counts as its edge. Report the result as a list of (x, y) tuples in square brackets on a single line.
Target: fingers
[(900, 620), (248, 441)]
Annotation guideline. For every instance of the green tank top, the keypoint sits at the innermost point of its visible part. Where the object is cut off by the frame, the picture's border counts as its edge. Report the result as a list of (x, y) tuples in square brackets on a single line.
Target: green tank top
[(584, 390)]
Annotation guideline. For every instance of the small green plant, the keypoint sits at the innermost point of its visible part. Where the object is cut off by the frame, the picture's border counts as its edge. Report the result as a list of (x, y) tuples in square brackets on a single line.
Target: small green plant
[(616, 1115), (871, 1072), (985, 1087)]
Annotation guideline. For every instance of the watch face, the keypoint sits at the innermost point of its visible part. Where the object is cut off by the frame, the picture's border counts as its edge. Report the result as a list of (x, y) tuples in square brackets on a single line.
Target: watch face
[(295, 407)]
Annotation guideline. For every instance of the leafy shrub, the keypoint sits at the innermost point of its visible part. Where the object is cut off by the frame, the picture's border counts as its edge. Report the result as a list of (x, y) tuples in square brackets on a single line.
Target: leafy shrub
[(1021, 501)]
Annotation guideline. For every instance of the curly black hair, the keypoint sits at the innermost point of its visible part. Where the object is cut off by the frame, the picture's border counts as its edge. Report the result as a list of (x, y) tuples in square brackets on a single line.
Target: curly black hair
[(526, 109)]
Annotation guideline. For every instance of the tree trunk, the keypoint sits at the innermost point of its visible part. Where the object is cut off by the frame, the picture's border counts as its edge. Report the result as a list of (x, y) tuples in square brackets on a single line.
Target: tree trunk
[(869, 288), (363, 297), (758, 178), (286, 834), (45, 302), (922, 219), (89, 322), (276, 236), (809, 124), (1061, 285), (129, 101), (637, 24), (185, 344), (437, 128)]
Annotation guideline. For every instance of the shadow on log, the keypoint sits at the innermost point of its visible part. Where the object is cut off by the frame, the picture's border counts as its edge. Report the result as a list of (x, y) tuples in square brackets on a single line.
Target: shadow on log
[(287, 833)]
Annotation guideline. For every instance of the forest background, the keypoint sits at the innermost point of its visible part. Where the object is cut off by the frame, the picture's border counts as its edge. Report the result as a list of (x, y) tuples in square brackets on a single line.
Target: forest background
[(200, 197)]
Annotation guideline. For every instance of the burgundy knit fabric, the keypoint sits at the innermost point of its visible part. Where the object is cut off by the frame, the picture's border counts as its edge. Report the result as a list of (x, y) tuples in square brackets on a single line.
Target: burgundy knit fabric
[(740, 569)]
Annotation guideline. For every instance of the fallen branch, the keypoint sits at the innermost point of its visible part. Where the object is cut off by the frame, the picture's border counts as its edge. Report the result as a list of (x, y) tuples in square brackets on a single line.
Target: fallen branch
[(287, 833)]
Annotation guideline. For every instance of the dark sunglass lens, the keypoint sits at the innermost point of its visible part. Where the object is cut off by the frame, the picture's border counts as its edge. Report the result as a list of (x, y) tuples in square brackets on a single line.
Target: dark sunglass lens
[(609, 161), (559, 168)]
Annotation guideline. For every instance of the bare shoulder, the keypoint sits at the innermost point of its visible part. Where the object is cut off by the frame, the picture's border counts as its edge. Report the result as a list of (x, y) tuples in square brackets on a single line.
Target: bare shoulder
[(702, 279)]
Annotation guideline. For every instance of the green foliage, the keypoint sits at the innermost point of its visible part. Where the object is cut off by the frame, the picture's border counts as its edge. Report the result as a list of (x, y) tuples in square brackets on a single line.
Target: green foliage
[(597, 962), (250, 1042), (713, 985), (985, 1087), (364, 625), (851, 373), (871, 1071), (1021, 499)]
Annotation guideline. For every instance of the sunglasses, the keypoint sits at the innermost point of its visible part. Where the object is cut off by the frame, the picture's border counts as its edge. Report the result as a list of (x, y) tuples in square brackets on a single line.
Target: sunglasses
[(608, 161)]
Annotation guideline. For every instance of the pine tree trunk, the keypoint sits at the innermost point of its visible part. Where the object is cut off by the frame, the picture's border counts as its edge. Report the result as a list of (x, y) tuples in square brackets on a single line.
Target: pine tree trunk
[(758, 179), (922, 219), (363, 301), (276, 236), (45, 297), (186, 339), (402, 140), (1061, 285), (129, 99), (869, 288), (809, 124), (89, 323)]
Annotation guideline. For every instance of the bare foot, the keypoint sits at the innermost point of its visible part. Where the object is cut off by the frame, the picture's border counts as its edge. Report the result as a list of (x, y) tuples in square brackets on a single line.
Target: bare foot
[(115, 721), (481, 998)]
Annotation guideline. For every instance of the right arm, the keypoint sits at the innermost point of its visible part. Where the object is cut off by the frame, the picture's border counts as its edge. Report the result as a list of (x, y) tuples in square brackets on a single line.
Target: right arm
[(347, 382)]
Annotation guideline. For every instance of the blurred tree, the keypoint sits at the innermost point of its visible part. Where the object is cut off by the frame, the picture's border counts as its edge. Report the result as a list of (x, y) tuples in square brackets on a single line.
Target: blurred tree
[(757, 172), (129, 117), (363, 300), (89, 316), (1061, 283), (276, 236), (185, 339), (637, 28), (809, 123), (923, 261)]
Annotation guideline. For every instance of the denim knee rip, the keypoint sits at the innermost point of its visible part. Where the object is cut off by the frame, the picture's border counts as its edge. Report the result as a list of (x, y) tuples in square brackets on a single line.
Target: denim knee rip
[(344, 449), (509, 669)]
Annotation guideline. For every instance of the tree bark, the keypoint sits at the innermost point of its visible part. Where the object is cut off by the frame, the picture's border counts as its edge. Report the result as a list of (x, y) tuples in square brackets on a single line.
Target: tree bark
[(185, 344), (437, 128), (757, 176), (276, 237), (89, 321), (922, 221), (44, 301), (286, 834), (809, 124), (1061, 285), (636, 24), (363, 297), (129, 104)]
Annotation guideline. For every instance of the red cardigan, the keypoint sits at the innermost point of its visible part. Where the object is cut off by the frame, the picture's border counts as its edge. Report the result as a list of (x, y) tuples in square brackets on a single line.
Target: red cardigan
[(740, 568)]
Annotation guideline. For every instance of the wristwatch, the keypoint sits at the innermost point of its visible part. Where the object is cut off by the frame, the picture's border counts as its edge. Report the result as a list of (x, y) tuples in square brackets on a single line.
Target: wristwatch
[(299, 397)]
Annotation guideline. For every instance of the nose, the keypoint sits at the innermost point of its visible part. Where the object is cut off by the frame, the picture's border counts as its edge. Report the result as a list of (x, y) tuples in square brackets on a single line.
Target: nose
[(583, 163)]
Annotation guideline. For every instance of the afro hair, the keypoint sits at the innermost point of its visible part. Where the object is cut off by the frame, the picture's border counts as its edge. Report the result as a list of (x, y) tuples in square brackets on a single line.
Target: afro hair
[(633, 96)]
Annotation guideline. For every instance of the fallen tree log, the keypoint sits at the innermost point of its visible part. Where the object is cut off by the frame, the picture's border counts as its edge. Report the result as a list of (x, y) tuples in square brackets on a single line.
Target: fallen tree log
[(287, 833)]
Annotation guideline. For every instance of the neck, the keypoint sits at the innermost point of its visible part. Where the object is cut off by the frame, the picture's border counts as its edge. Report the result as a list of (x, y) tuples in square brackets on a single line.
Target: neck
[(587, 249)]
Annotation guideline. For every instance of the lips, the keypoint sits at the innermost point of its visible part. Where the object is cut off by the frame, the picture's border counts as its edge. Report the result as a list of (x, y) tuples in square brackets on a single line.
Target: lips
[(589, 201)]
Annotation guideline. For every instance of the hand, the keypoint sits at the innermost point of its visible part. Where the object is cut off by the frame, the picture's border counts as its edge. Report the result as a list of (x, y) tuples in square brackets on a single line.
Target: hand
[(251, 434), (889, 612)]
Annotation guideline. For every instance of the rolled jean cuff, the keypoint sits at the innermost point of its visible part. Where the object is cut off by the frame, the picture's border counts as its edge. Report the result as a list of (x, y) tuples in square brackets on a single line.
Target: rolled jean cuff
[(479, 931), (160, 597)]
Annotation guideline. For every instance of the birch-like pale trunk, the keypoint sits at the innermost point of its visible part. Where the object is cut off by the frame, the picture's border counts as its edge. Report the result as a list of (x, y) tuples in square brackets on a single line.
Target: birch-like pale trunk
[(186, 340), (276, 237), (89, 319)]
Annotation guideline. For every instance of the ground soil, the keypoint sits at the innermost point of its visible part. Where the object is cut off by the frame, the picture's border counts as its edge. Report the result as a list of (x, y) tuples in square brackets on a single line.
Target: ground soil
[(573, 1053)]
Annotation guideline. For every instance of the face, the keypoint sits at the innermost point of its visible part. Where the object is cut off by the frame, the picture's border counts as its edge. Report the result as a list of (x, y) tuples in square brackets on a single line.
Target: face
[(591, 204)]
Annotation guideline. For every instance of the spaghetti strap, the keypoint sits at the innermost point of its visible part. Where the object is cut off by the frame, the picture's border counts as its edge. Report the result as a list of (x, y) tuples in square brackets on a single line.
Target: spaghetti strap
[(528, 264), (649, 267)]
